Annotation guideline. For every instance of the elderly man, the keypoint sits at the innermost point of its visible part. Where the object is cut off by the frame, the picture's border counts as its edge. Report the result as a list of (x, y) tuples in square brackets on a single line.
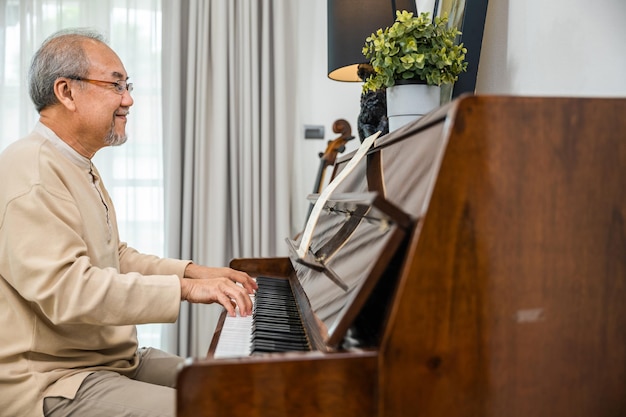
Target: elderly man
[(70, 292)]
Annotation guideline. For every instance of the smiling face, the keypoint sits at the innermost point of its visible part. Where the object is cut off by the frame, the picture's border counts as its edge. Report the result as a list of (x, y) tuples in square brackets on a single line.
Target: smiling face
[(101, 111)]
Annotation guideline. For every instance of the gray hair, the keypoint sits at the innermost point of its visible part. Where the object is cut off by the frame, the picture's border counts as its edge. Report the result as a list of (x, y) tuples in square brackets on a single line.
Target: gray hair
[(61, 55)]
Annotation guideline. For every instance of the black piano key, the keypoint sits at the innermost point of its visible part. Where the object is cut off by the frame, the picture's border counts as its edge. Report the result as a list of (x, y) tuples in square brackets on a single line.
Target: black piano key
[(285, 337), (277, 326), (294, 330), (274, 346)]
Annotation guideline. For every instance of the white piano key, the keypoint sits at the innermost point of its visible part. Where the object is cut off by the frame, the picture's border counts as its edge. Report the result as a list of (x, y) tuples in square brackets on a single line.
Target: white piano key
[(235, 338)]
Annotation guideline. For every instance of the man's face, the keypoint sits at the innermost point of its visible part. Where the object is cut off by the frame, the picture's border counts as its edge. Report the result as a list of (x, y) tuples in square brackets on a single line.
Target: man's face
[(102, 109)]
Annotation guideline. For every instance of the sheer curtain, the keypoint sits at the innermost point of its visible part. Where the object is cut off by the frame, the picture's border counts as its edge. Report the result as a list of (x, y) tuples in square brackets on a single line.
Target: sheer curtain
[(133, 173), (229, 137)]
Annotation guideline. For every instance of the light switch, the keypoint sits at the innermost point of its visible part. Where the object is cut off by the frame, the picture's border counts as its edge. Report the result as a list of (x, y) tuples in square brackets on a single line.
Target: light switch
[(314, 131)]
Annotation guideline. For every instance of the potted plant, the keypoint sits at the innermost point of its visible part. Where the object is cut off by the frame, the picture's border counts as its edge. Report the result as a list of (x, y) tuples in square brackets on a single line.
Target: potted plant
[(418, 51)]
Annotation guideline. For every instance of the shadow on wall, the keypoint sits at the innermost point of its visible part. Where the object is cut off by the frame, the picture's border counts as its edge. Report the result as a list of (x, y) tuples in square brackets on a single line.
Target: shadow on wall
[(495, 73)]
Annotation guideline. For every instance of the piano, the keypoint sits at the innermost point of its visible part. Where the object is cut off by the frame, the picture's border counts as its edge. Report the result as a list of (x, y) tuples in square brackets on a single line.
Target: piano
[(471, 263)]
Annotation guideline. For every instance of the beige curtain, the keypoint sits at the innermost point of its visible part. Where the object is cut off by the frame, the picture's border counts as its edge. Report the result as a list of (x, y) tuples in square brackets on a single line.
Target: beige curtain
[(228, 139)]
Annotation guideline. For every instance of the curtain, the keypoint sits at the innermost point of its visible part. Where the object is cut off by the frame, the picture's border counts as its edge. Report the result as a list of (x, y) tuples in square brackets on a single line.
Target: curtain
[(228, 91), (133, 173)]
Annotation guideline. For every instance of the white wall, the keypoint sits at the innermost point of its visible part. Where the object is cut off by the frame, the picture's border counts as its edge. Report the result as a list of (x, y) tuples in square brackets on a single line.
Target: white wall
[(321, 101), (554, 48), (530, 47)]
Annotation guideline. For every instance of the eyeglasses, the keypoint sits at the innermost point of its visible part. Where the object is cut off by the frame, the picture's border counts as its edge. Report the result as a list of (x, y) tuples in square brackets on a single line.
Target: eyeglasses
[(119, 87)]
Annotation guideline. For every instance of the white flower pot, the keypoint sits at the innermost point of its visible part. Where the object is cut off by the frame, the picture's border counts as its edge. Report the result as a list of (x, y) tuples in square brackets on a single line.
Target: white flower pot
[(408, 102)]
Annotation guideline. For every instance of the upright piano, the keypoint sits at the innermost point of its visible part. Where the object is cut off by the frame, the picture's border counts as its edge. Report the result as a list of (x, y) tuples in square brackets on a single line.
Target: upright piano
[(472, 263)]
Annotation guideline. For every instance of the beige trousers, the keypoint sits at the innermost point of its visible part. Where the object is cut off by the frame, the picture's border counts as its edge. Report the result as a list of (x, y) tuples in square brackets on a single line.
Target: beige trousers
[(151, 393)]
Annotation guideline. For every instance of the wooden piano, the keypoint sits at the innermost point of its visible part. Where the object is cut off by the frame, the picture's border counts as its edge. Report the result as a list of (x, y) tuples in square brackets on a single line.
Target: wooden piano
[(473, 263)]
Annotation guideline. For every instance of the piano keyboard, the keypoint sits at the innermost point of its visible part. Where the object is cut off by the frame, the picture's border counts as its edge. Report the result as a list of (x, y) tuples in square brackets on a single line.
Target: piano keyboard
[(274, 326)]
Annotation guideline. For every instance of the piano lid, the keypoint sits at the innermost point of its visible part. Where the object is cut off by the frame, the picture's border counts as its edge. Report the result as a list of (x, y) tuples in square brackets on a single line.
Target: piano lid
[(362, 222), (350, 250)]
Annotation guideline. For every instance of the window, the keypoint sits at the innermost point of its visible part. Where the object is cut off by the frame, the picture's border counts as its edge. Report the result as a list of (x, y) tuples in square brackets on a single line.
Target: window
[(132, 173)]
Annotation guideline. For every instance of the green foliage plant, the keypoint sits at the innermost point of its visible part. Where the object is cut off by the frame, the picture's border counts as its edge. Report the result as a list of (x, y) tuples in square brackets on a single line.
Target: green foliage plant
[(414, 48)]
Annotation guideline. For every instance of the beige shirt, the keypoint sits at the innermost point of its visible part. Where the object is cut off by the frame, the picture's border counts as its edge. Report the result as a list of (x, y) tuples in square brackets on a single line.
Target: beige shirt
[(70, 292)]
